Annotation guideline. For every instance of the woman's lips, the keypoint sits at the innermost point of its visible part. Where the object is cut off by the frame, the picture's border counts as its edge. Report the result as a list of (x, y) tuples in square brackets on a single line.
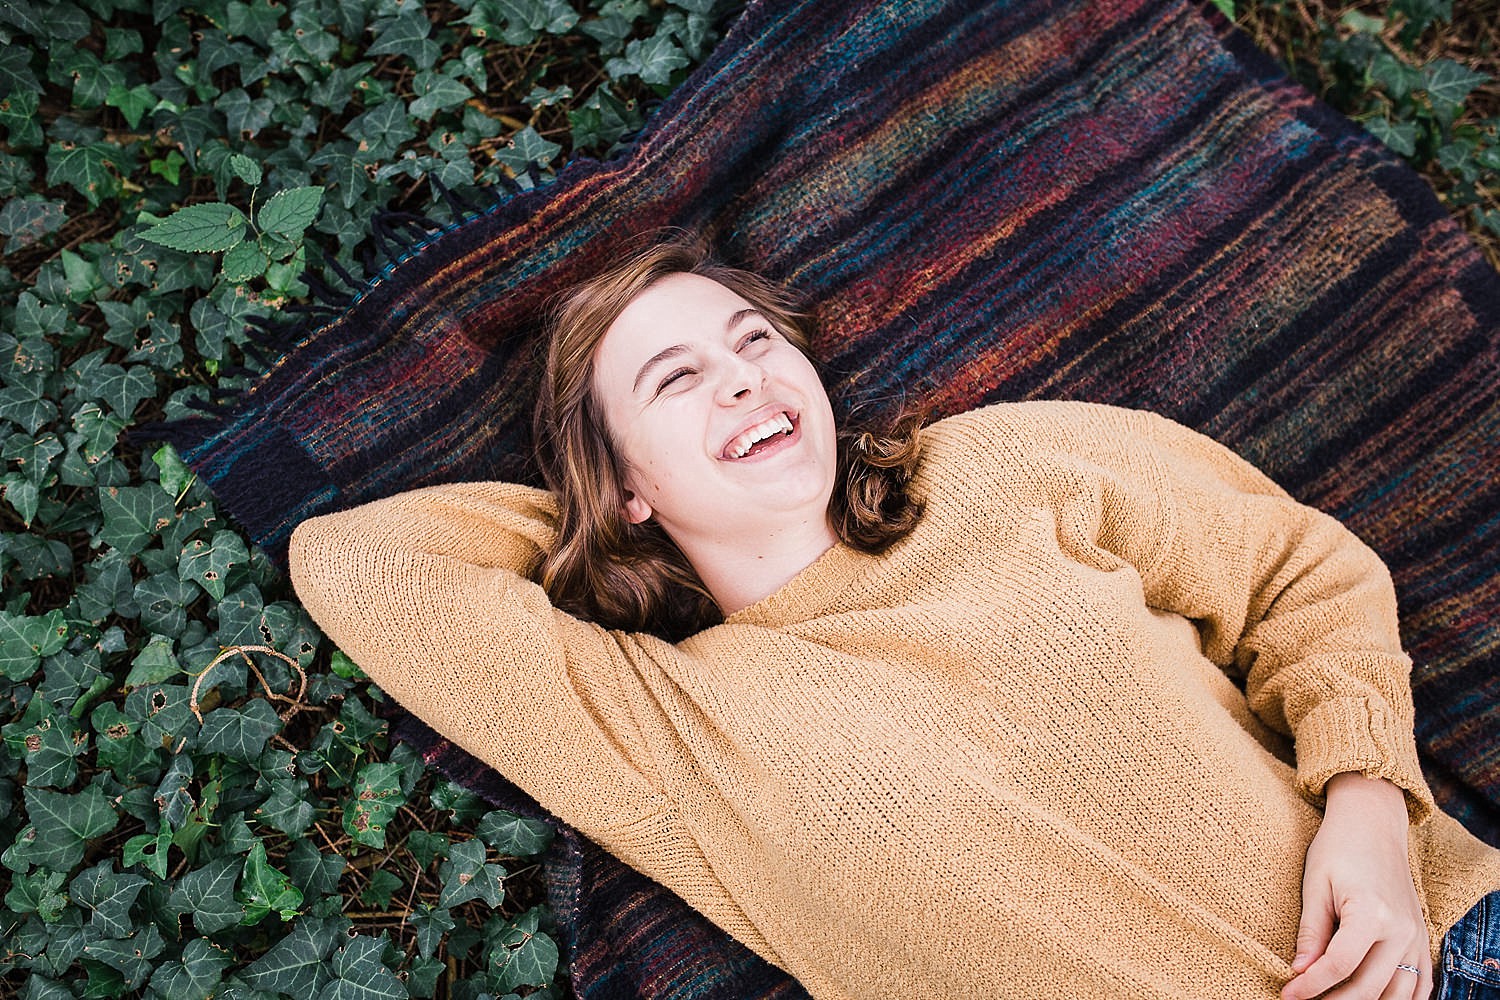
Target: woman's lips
[(762, 435)]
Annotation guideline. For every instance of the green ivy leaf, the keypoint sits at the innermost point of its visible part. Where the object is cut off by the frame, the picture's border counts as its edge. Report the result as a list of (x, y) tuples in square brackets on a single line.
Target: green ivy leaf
[(197, 975), (431, 924), (1449, 84), (18, 113), (29, 219), (527, 147), (150, 850), (361, 975), (133, 103), (465, 876), (1401, 137), (51, 756), (207, 894), (208, 563), (287, 810), (295, 965), (130, 956), (240, 733), (524, 956), (25, 639), (38, 893), (66, 823), (172, 471), (289, 213), (376, 798), (264, 889), (124, 388), (162, 600), (92, 169), (133, 515), (436, 92), (406, 34), (513, 836), (202, 228), (110, 895)]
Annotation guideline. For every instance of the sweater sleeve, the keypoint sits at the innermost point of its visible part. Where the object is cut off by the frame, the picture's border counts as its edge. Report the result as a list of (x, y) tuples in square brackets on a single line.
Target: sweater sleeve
[(427, 592), (1284, 597)]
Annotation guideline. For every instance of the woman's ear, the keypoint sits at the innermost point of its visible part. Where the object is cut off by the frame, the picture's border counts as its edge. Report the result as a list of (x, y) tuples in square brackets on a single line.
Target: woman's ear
[(637, 510)]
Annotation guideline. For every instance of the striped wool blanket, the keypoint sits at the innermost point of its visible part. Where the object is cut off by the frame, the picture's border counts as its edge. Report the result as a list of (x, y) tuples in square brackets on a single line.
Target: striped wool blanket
[(1114, 200)]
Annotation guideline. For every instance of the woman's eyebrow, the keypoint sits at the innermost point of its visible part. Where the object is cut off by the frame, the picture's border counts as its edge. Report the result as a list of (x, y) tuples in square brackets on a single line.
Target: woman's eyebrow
[(665, 354)]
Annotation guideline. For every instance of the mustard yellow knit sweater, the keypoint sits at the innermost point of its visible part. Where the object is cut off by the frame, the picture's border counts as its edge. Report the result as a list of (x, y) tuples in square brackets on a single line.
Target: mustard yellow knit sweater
[(1009, 757)]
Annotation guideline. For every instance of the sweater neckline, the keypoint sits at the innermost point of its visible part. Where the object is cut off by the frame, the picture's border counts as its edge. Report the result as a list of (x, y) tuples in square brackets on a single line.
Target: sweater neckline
[(808, 594)]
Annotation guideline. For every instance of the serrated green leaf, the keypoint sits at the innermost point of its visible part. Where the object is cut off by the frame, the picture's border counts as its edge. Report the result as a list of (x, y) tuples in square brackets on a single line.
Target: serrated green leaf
[(207, 894), (245, 168), (244, 262), (203, 228), (66, 823), (290, 212), (513, 836), (110, 895)]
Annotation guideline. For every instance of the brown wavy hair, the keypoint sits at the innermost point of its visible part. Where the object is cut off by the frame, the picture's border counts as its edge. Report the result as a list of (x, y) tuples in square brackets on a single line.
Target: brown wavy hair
[(632, 576)]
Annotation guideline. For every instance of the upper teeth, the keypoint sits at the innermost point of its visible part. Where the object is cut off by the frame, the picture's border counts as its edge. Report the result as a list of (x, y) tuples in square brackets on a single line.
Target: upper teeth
[(779, 424)]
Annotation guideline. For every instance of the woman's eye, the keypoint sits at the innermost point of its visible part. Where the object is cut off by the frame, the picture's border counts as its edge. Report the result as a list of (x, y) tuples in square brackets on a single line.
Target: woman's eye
[(753, 337), (673, 377)]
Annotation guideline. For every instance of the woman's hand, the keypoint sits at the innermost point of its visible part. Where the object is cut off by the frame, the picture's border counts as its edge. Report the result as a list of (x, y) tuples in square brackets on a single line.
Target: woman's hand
[(1362, 927)]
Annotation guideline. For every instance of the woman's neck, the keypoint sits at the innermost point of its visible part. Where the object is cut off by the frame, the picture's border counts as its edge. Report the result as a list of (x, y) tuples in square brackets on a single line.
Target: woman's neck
[(739, 571)]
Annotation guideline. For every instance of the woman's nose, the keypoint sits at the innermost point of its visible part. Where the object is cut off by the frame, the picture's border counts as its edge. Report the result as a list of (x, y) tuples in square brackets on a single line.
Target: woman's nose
[(739, 378)]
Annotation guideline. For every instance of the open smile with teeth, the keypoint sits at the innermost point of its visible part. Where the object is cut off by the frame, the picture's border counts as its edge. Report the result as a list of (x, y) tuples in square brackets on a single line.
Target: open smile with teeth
[(750, 440)]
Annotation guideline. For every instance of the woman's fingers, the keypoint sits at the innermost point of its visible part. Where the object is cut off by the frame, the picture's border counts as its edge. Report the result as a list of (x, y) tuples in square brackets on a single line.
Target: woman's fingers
[(1351, 951), (1358, 965)]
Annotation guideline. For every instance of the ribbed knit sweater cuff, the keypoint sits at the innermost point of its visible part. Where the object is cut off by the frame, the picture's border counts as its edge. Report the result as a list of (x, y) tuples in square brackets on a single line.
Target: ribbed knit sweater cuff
[(1364, 735)]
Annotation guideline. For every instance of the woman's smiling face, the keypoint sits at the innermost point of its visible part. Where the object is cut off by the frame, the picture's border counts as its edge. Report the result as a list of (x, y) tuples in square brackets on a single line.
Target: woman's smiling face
[(720, 423)]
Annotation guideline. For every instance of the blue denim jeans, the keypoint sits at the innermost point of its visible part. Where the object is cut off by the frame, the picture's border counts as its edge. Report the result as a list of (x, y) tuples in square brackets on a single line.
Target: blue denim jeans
[(1470, 967)]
